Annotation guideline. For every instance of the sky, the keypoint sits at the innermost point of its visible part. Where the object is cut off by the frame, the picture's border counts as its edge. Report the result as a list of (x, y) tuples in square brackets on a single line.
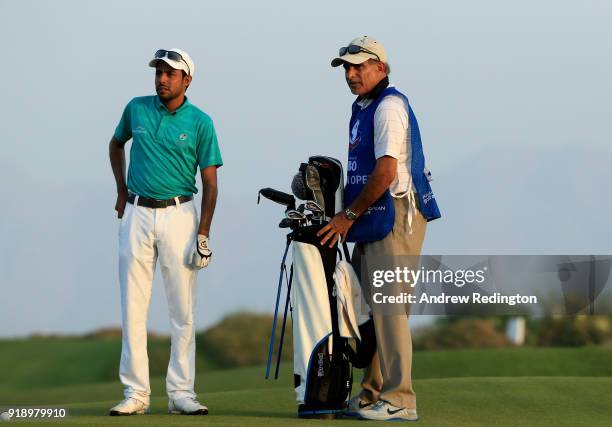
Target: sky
[(512, 100)]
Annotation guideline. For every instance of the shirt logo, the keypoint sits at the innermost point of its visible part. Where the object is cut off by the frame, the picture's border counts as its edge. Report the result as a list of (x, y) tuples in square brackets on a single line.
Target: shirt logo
[(354, 138), (183, 136), (139, 129)]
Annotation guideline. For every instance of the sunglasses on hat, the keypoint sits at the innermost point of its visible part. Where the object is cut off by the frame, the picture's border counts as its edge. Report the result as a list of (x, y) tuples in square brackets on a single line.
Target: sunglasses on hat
[(172, 55), (353, 49)]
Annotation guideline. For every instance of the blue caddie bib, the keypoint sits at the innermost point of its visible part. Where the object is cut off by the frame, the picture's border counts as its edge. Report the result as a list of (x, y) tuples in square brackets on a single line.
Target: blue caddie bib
[(377, 221)]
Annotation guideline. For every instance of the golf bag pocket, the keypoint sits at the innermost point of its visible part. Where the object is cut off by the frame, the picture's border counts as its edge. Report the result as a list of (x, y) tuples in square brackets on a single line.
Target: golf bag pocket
[(329, 378)]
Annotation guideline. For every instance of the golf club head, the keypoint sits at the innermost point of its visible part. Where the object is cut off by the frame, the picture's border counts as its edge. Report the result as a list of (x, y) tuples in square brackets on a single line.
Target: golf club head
[(314, 184), (298, 187), (277, 196), (294, 214), (285, 223), (313, 207)]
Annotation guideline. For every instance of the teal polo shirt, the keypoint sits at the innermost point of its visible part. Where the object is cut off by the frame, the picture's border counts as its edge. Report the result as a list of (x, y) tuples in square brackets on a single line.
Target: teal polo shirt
[(167, 148)]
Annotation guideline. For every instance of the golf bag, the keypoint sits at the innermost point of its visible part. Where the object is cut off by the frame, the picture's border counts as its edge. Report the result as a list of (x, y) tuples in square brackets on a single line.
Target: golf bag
[(325, 344)]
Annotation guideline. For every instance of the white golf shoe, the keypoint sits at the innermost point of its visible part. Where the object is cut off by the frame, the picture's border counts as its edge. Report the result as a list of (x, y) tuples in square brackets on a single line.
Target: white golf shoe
[(129, 406), (355, 405), (384, 411), (186, 406)]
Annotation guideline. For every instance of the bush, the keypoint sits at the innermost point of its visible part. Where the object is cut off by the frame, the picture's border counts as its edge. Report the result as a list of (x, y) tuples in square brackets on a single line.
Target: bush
[(574, 331), (242, 339), (462, 333)]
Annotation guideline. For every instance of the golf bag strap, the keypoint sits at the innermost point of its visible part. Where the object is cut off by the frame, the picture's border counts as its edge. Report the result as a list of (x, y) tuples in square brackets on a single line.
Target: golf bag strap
[(346, 252)]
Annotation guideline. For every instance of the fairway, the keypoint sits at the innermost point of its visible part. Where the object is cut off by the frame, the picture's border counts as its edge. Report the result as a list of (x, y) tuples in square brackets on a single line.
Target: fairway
[(241, 397), (457, 401)]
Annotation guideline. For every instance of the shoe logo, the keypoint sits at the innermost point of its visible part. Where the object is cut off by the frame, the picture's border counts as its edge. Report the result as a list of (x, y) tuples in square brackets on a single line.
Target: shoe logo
[(363, 405), (390, 412)]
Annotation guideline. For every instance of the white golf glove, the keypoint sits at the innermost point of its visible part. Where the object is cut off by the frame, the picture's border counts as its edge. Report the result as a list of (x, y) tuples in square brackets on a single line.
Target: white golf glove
[(202, 254)]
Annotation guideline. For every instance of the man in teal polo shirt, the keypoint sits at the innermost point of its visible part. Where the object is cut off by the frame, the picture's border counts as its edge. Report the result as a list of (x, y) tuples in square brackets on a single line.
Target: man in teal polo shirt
[(171, 139)]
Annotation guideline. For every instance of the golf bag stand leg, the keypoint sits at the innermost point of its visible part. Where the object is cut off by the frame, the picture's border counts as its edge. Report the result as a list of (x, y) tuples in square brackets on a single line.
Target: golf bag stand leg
[(283, 268), (282, 337)]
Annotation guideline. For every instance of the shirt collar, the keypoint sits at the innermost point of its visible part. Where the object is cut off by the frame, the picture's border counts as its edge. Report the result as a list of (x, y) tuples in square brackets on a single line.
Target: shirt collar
[(373, 94), (364, 101), (160, 105)]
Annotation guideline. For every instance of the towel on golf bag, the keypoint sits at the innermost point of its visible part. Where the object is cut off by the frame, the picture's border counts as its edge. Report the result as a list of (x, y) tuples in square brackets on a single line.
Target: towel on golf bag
[(350, 301)]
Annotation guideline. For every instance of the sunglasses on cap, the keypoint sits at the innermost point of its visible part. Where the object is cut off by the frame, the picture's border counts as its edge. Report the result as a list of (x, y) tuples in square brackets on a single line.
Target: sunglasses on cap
[(353, 49), (171, 55)]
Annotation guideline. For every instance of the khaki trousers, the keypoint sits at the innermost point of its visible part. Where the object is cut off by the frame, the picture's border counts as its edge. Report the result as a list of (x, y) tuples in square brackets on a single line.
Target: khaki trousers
[(389, 376)]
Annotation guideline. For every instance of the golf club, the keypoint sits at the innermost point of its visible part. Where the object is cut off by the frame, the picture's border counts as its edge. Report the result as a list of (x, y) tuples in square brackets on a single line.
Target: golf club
[(318, 213), (277, 196), (313, 181)]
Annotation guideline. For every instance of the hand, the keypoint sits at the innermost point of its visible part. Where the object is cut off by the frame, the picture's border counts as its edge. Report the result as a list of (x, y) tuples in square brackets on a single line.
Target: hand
[(122, 198), (202, 254), (336, 229)]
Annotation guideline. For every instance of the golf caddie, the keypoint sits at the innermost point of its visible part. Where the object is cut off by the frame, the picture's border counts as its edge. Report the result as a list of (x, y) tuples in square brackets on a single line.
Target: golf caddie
[(171, 140), (388, 202)]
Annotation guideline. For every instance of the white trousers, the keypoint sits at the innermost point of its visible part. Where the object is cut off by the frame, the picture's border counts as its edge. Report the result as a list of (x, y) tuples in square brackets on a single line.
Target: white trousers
[(148, 236)]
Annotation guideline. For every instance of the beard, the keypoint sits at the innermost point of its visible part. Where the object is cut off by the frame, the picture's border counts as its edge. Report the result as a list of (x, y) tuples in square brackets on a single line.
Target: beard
[(165, 94)]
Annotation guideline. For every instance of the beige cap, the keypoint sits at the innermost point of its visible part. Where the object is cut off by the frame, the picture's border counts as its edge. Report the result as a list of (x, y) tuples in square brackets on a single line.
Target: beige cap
[(367, 48), (183, 62)]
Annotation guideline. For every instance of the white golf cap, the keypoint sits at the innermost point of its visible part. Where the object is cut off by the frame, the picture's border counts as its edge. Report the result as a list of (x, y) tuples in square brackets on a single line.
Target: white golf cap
[(365, 48), (176, 58)]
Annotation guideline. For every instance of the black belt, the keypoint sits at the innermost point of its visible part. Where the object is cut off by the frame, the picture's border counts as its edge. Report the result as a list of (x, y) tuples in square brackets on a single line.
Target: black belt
[(155, 203)]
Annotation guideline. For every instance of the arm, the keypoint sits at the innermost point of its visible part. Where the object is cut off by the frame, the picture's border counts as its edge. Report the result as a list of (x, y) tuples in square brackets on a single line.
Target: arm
[(209, 198), (378, 182), (116, 153)]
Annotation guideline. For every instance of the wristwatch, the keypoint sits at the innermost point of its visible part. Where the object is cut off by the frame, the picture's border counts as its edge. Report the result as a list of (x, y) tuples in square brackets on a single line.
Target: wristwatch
[(350, 215)]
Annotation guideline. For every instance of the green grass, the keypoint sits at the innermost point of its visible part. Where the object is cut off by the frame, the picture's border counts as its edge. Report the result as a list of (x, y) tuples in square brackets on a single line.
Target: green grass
[(528, 386), (456, 401), (513, 362), (51, 362), (47, 362)]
